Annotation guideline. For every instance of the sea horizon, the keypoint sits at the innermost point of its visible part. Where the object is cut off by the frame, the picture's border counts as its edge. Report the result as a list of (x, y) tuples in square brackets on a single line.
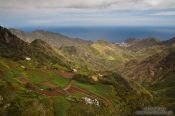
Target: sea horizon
[(110, 33)]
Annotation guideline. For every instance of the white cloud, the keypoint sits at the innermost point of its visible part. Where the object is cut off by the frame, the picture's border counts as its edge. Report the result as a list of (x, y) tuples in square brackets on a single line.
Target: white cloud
[(81, 12), (87, 4)]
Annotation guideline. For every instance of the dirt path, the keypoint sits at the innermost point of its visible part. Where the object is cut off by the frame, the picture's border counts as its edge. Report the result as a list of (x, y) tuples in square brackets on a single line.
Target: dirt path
[(68, 86)]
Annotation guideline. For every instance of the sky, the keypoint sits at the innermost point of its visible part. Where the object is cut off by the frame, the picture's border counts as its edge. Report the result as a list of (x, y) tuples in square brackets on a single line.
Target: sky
[(54, 13)]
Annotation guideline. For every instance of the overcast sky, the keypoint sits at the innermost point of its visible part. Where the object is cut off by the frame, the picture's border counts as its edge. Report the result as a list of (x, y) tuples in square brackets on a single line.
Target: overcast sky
[(53, 13)]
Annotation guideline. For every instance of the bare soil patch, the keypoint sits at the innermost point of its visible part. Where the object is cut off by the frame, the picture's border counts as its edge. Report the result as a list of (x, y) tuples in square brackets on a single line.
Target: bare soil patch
[(49, 84), (68, 75), (54, 92)]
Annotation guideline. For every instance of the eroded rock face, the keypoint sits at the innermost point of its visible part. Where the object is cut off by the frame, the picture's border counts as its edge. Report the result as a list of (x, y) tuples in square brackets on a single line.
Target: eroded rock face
[(7, 37)]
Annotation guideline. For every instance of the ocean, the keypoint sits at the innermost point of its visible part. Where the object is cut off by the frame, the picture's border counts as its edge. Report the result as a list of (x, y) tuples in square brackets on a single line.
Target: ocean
[(112, 33)]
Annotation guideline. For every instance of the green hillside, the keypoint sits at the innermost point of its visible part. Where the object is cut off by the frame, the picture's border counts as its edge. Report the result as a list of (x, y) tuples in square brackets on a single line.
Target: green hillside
[(48, 74)]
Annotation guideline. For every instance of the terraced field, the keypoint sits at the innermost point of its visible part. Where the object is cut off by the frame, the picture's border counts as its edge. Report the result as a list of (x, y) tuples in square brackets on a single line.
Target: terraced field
[(49, 88)]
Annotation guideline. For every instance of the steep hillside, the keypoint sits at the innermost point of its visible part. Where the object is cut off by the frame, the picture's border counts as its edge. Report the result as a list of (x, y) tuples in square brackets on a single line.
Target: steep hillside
[(164, 85), (100, 55), (12, 46), (156, 73), (143, 71), (148, 68), (38, 51), (136, 44), (54, 39), (81, 54), (111, 51)]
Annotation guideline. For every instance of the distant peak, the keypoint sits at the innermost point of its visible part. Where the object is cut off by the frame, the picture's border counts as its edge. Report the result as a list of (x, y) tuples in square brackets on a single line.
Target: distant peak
[(48, 32), (43, 31), (39, 30), (10, 39), (38, 41)]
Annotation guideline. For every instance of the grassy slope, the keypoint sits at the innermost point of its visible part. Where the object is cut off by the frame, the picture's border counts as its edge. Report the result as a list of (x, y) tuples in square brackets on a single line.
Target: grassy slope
[(16, 96), (13, 71)]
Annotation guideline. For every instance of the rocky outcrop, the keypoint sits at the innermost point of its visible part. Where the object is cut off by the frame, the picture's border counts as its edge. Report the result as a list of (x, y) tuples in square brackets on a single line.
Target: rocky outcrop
[(10, 39)]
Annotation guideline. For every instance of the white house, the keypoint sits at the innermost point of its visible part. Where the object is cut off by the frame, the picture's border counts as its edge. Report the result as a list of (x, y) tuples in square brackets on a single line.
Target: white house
[(91, 101), (28, 58)]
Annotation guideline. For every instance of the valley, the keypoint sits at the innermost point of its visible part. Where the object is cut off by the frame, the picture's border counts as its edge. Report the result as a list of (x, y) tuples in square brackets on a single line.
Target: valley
[(49, 74)]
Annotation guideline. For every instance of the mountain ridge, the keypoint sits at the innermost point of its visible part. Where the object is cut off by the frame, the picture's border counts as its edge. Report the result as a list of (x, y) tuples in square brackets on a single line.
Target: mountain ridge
[(49, 37)]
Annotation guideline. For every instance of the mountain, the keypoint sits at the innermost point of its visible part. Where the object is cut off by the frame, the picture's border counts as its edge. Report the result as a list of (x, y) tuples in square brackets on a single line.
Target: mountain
[(156, 73), (39, 51), (147, 68), (98, 55), (142, 43), (51, 74), (39, 78), (11, 45), (80, 53), (163, 85), (54, 39)]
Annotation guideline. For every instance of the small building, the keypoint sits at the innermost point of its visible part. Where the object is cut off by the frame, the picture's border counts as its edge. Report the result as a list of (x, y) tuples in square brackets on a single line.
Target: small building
[(28, 58), (91, 101)]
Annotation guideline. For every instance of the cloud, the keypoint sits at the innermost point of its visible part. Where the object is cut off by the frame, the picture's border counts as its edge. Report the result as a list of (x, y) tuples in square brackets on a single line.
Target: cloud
[(86, 4), (81, 12)]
